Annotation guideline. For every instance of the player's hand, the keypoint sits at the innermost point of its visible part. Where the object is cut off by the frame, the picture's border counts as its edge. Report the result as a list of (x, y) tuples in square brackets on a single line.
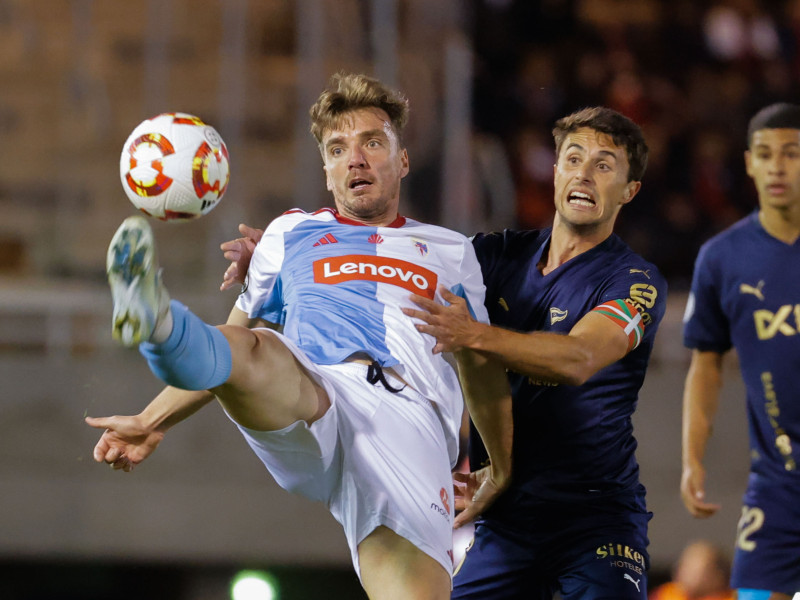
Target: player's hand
[(451, 324), (474, 493), (126, 441), (239, 252), (693, 492)]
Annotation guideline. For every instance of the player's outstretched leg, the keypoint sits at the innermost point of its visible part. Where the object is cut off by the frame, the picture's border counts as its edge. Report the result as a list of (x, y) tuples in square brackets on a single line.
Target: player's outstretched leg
[(141, 302)]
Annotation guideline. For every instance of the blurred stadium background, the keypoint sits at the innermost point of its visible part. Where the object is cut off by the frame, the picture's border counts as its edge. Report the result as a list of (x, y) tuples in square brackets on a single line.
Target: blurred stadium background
[(486, 79)]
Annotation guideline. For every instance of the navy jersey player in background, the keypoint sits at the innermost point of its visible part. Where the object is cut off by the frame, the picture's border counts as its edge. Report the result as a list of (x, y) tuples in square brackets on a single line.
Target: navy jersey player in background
[(574, 313), (746, 295)]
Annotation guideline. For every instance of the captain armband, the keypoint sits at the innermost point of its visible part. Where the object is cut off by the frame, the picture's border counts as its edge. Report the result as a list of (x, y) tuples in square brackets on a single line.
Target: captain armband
[(624, 314)]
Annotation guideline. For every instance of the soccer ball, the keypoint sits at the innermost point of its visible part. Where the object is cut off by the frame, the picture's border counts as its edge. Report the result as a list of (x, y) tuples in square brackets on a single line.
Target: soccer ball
[(174, 167)]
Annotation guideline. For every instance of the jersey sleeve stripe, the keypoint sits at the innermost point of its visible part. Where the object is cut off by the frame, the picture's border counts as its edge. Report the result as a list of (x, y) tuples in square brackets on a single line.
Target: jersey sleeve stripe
[(624, 314)]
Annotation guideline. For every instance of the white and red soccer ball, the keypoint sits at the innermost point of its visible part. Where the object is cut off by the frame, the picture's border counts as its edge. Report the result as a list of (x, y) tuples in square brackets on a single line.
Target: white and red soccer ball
[(174, 167)]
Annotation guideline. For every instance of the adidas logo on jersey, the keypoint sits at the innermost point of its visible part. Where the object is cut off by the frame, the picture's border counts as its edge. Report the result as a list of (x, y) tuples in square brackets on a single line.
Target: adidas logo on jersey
[(327, 239), (357, 267)]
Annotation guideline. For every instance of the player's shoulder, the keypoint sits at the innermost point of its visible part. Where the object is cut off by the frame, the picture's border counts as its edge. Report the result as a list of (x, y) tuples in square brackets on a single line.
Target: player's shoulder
[(298, 214), (293, 217), (630, 263), (410, 224), (510, 242), (732, 238), (626, 274), (424, 233)]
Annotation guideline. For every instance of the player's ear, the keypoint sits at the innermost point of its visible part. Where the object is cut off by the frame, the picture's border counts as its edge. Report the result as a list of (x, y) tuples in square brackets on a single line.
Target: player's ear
[(631, 189), (403, 163)]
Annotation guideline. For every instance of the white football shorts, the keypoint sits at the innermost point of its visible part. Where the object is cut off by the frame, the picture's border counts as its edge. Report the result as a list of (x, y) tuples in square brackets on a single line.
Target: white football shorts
[(375, 458)]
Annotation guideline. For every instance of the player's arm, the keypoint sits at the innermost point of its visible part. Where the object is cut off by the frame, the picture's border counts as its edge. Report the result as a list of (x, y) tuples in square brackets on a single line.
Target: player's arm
[(596, 340), (700, 402), (488, 399), (128, 440)]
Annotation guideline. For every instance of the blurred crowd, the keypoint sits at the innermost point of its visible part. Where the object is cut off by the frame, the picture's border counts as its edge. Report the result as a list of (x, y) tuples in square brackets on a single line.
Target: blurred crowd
[(690, 72), (701, 572)]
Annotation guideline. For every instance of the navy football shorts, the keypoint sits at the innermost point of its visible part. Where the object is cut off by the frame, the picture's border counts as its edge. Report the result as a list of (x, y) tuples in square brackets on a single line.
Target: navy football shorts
[(768, 538), (588, 557)]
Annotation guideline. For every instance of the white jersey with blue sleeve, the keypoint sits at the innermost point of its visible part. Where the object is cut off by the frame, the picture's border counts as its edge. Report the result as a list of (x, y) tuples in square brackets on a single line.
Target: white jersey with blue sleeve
[(337, 287)]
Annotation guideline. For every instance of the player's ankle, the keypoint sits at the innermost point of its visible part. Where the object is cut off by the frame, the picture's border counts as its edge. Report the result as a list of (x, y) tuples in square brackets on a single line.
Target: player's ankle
[(163, 329), (164, 321)]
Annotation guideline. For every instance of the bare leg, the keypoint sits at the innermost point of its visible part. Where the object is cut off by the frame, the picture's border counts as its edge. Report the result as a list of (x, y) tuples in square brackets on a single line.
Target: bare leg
[(392, 568), (268, 389), (256, 377)]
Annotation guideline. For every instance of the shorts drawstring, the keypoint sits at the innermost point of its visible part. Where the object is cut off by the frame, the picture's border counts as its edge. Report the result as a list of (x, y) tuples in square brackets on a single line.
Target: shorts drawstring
[(375, 374)]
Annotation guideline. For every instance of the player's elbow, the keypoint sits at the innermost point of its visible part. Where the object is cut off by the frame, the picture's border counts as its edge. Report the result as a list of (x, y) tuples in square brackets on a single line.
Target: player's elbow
[(579, 368)]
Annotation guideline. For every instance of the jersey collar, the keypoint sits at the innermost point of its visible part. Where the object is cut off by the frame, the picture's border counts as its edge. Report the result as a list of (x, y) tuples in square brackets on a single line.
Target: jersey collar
[(398, 222)]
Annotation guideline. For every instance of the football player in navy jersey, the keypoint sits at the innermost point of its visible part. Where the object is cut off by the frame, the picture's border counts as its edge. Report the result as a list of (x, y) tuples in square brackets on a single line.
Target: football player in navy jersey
[(574, 312), (347, 405), (746, 295)]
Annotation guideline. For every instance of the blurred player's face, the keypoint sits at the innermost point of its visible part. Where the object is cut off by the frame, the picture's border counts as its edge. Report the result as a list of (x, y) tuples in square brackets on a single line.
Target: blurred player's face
[(773, 161), (364, 165), (591, 181)]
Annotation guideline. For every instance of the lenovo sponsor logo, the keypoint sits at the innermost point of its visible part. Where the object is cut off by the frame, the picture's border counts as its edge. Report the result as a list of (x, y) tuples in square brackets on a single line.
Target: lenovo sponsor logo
[(357, 267)]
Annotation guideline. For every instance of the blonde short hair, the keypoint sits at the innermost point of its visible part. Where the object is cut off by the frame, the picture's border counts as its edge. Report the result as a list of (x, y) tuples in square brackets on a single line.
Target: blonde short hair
[(348, 92)]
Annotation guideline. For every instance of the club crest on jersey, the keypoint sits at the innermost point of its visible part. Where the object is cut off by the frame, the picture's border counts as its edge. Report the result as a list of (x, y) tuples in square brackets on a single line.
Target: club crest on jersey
[(421, 246), (381, 269), (375, 239), (557, 314)]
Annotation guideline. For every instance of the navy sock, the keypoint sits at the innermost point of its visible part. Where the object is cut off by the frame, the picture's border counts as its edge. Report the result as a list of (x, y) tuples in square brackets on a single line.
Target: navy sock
[(195, 356)]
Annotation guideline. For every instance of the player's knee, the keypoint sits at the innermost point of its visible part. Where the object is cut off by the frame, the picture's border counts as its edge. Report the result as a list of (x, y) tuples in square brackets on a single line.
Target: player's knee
[(249, 346), (256, 355)]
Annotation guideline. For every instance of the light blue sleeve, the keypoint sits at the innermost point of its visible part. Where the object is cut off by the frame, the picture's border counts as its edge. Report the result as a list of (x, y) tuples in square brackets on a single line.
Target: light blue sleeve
[(471, 286)]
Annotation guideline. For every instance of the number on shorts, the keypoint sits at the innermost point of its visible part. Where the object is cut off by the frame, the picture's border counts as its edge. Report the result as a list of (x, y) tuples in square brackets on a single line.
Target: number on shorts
[(752, 520)]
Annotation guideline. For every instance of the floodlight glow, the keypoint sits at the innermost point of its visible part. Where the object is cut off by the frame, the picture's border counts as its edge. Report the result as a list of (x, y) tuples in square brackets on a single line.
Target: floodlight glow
[(254, 585)]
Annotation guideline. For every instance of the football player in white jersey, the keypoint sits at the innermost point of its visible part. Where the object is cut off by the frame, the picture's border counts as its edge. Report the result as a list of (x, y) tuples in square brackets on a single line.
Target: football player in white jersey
[(348, 406)]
